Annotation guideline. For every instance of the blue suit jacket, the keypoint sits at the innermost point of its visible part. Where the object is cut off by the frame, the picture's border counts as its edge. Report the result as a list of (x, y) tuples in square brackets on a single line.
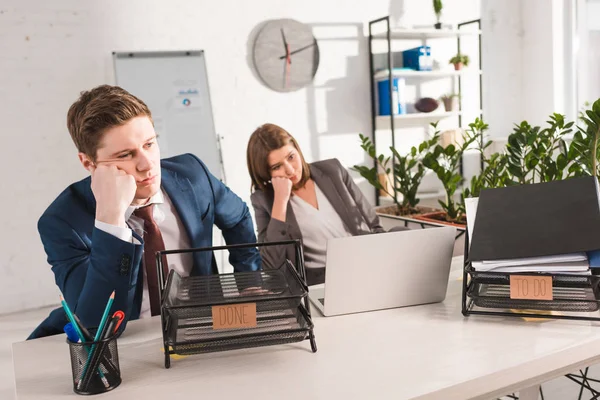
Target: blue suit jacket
[(88, 263)]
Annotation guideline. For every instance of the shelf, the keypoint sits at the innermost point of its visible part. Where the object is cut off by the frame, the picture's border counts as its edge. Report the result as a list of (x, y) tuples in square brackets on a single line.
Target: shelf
[(409, 73), (413, 119), (426, 34)]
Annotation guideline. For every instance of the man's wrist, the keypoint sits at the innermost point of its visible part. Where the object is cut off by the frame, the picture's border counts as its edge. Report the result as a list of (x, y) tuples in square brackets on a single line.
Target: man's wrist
[(112, 218)]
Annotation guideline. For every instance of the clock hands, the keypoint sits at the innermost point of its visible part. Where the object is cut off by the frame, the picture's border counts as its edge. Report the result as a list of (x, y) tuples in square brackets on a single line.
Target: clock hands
[(288, 60), (288, 54), (286, 47)]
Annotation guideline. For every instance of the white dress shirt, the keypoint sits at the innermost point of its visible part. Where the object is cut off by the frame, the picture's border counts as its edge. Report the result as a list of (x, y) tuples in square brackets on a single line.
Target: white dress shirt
[(173, 233)]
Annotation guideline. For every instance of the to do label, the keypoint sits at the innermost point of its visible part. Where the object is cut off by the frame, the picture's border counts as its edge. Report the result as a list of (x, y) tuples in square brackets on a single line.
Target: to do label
[(531, 287)]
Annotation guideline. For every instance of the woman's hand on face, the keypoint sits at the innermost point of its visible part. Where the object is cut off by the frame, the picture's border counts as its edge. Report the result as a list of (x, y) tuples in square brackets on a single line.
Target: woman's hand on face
[(282, 187)]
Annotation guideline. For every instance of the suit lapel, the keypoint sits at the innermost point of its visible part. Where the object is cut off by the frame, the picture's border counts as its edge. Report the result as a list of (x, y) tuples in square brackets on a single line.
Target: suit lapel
[(328, 188), (186, 202)]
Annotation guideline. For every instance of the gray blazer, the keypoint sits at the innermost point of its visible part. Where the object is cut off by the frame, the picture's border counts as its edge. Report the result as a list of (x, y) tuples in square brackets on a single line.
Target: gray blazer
[(343, 194)]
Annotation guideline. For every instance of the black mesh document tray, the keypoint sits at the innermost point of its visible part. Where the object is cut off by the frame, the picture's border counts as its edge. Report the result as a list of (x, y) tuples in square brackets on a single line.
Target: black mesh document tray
[(574, 296), (573, 293), (280, 297)]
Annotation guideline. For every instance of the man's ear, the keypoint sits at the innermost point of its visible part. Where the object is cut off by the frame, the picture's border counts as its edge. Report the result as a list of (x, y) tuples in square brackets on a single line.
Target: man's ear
[(86, 161)]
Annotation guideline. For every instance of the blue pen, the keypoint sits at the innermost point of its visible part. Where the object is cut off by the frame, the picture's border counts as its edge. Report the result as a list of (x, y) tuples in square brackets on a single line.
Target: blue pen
[(71, 333), (98, 335)]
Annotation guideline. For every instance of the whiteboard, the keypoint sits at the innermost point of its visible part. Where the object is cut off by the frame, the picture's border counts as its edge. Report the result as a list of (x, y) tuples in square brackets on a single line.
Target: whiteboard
[(174, 85)]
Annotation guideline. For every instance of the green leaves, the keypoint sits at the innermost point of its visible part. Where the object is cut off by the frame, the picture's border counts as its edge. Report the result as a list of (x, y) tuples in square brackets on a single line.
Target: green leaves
[(407, 172), (445, 163), (533, 154), (539, 155), (437, 7), (584, 147)]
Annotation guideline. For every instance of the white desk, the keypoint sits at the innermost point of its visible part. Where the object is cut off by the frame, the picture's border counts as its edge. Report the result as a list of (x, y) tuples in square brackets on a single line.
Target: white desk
[(426, 352)]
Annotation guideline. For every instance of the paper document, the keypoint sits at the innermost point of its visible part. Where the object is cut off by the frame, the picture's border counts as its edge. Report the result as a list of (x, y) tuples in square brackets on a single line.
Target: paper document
[(559, 258), (471, 210), (568, 267)]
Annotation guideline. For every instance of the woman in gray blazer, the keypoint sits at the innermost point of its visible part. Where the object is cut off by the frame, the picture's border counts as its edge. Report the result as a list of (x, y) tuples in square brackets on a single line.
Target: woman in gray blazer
[(295, 200)]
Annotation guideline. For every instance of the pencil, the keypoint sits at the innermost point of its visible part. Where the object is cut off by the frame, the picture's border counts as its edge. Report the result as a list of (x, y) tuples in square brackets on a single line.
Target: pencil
[(73, 320), (86, 375)]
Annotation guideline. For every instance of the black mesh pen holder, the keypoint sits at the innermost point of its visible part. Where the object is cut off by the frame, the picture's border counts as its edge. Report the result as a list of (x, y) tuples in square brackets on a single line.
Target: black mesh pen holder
[(95, 366), (202, 314)]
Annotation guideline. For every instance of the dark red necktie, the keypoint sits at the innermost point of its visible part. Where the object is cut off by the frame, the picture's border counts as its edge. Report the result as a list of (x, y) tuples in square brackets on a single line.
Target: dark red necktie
[(153, 242)]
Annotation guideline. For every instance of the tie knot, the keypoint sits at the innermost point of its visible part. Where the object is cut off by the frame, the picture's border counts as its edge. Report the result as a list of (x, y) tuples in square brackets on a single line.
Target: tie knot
[(145, 213)]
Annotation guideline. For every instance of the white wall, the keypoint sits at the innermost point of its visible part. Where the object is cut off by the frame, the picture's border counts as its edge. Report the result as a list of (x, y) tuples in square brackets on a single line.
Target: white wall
[(50, 51), (502, 29), (527, 63), (589, 51)]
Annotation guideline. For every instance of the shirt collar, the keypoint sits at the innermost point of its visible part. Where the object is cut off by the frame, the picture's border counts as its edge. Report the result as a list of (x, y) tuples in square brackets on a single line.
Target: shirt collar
[(158, 198)]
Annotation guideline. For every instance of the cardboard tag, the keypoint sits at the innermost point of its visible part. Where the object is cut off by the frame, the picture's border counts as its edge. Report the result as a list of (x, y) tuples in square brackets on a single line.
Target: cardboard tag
[(234, 316), (531, 287)]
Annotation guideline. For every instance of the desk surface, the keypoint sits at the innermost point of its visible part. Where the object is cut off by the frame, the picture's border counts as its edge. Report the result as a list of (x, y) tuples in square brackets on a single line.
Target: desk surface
[(424, 352)]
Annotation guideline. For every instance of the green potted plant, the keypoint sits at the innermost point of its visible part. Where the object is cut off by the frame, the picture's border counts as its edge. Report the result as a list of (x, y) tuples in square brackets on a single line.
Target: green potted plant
[(532, 155), (406, 171), (585, 146), (493, 173), (437, 9), (532, 152), (450, 101), (459, 60), (445, 163)]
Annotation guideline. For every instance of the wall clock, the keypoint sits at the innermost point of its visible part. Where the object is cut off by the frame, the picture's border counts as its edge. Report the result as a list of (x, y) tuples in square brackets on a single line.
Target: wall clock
[(286, 55)]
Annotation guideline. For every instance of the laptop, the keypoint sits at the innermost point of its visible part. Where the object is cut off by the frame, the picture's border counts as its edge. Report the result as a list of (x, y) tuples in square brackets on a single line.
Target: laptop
[(386, 270)]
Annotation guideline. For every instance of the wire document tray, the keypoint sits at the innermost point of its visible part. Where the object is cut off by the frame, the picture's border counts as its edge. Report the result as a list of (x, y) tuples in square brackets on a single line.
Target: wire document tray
[(574, 296), (202, 314)]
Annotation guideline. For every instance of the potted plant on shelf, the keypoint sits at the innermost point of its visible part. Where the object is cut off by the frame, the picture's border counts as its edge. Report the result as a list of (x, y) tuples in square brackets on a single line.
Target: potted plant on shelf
[(450, 102), (437, 9), (459, 61)]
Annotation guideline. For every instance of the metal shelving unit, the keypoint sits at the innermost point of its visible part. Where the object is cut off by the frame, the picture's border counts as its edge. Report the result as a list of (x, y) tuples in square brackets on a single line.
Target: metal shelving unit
[(393, 121)]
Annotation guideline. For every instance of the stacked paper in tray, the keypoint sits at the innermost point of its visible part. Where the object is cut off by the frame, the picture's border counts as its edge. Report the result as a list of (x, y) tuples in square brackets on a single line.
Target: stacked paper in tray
[(547, 227), (575, 263)]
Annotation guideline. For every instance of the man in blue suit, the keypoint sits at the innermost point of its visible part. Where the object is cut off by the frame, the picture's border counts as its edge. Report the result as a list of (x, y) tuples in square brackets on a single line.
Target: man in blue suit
[(101, 233)]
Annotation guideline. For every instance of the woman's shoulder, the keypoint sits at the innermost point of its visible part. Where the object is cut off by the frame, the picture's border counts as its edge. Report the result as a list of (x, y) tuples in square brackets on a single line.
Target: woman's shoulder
[(331, 167), (331, 164)]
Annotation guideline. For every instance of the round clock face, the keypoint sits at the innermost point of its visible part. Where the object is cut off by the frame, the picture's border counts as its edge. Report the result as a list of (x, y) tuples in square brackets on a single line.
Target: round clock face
[(286, 55)]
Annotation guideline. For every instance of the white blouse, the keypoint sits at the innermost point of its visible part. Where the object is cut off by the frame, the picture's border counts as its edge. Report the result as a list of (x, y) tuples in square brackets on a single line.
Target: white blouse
[(317, 227)]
